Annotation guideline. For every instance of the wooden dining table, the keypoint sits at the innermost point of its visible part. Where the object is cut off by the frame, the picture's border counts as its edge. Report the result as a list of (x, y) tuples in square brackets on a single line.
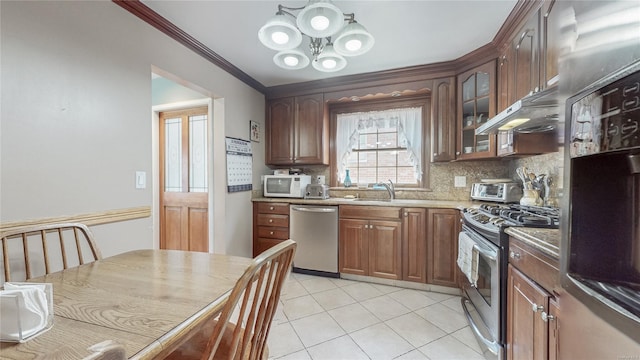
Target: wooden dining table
[(149, 301)]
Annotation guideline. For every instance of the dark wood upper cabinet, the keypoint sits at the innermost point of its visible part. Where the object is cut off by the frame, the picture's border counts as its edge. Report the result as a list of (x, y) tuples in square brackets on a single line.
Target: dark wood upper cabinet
[(297, 131), (525, 57), (505, 79), (443, 120), (550, 33), (476, 105)]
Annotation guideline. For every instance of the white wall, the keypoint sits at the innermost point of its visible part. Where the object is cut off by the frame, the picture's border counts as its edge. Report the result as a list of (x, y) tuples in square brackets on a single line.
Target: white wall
[(75, 117)]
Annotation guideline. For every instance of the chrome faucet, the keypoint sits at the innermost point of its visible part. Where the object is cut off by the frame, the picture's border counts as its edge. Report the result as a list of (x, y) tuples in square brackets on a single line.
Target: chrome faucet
[(392, 193), (390, 189)]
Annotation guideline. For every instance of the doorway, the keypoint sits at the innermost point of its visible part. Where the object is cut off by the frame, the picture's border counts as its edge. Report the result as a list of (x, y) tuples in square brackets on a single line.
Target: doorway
[(183, 179)]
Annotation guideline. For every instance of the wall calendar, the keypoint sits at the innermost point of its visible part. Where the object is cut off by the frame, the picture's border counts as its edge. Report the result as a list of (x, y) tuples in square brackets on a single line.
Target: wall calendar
[(239, 165)]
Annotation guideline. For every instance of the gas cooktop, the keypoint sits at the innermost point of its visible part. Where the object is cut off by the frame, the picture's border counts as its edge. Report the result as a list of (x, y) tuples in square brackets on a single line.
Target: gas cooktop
[(505, 215)]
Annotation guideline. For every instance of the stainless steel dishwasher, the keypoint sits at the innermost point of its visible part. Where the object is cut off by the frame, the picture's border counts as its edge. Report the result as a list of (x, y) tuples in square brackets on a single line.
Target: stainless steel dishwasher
[(315, 229)]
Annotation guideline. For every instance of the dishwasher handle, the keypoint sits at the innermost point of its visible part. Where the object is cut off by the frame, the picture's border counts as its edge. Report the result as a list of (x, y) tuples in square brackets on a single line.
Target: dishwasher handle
[(315, 209)]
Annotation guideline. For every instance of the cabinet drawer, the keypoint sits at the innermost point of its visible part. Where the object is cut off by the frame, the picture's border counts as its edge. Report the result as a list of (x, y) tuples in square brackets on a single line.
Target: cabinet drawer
[(273, 208), (273, 232), (540, 268), (273, 220), (369, 212)]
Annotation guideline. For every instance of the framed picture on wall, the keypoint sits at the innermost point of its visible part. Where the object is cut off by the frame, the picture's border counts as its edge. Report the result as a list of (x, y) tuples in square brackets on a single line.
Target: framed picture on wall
[(254, 129)]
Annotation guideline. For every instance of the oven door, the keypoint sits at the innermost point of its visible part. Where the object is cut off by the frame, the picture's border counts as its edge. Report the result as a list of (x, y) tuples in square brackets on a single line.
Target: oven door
[(482, 303)]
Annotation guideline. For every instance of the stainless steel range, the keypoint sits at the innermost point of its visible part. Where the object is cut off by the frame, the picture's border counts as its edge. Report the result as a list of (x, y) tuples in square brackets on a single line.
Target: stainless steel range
[(485, 302)]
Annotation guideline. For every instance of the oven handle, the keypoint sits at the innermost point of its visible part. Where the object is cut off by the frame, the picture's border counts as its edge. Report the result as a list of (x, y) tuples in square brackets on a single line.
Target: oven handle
[(486, 253), (491, 345), (481, 247)]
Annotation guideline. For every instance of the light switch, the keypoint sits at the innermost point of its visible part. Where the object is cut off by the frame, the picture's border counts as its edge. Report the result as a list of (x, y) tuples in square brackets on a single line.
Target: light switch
[(460, 181), (141, 179)]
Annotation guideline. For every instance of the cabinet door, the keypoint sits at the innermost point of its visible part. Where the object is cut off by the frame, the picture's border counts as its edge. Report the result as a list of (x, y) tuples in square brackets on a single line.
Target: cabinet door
[(476, 95), (525, 58), (554, 329), (414, 245), (311, 131), (353, 257), (442, 246), (505, 80), (527, 334), (443, 120), (384, 242), (550, 33), (279, 132)]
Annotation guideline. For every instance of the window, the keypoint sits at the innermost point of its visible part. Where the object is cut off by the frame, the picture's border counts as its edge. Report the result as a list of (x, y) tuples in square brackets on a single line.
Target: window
[(381, 145)]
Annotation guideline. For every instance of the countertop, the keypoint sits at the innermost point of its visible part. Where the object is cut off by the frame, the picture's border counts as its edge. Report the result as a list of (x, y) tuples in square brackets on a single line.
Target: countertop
[(545, 240), (441, 204)]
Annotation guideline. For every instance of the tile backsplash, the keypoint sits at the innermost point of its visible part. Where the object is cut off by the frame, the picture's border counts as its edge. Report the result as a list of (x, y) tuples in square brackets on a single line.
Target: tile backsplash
[(442, 176)]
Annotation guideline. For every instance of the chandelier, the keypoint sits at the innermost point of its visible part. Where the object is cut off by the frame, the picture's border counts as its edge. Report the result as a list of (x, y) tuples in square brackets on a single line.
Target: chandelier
[(330, 38)]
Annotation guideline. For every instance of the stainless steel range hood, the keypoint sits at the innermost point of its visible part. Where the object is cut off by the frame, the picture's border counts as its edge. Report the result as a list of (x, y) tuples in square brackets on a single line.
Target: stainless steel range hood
[(533, 113)]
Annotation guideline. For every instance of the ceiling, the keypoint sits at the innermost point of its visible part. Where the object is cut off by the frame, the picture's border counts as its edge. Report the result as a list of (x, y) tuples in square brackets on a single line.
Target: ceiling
[(407, 33)]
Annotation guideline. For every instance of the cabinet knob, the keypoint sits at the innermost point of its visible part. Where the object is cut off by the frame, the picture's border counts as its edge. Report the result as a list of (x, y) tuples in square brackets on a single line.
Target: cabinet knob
[(514, 255), (546, 317), (435, 154), (271, 208), (406, 214), (535, 307), (457, 152), (270, 220), (270, 232)]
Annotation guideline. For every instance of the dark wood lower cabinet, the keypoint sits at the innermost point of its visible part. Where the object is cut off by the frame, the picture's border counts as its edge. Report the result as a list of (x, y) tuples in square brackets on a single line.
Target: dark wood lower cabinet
[(443, 227), (270, 225), (533, 311), (354, 250), (527, 333), (422, 247), (385, 249), (370, 241), (414, 244)]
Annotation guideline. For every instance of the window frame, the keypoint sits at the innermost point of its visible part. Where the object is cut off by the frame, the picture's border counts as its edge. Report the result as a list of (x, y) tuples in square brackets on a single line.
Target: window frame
[(422, 101)]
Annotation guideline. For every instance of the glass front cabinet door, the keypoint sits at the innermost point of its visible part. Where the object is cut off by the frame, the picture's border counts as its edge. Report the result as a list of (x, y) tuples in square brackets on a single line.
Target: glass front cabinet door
[(476, 99)]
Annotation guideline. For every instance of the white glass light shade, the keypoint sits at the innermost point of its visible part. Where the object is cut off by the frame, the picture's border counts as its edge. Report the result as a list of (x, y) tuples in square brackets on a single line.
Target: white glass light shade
[(280, 33), (353, 40), (320, 18), (329, 60), (291, 59)]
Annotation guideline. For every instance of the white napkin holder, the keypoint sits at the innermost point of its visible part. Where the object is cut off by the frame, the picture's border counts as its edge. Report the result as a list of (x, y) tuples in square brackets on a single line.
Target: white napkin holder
[(26, 310)]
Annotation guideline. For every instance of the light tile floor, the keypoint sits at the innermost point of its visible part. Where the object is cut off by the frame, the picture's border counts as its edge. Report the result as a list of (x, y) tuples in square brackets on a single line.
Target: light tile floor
[(320, 318)]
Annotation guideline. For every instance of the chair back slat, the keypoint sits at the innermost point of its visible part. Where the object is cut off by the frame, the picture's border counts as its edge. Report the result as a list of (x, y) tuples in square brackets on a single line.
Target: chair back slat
[(256, 294), (33, 251)]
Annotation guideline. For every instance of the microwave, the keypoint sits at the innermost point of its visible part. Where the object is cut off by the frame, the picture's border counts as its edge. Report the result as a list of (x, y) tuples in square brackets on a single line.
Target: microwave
[(286, 186)]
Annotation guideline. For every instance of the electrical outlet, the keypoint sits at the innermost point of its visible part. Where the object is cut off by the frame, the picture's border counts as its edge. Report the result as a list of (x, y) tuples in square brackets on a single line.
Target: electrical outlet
[(460, 181)]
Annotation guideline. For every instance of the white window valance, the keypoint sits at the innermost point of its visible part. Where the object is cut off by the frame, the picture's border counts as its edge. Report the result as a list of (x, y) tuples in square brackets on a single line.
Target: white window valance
[(408, 122)]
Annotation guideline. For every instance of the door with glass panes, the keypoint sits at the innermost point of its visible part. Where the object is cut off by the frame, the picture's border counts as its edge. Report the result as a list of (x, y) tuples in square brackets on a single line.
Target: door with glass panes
[(183, 180)]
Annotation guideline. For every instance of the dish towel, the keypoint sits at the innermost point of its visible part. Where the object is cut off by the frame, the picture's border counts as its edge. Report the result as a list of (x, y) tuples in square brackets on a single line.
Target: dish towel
[(468, 258), (25, 309)]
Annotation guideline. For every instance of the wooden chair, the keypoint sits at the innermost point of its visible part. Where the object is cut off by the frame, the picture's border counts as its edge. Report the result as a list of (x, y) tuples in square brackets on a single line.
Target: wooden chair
[(253, 302), (34, 251), (106, 350)]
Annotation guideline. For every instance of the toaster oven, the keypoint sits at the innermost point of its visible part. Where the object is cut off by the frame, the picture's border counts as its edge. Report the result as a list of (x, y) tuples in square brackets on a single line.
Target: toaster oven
[(504, 192)]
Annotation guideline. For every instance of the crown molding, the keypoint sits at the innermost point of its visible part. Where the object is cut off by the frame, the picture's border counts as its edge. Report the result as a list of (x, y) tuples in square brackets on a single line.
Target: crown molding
[(488, 52), (154, 19)]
